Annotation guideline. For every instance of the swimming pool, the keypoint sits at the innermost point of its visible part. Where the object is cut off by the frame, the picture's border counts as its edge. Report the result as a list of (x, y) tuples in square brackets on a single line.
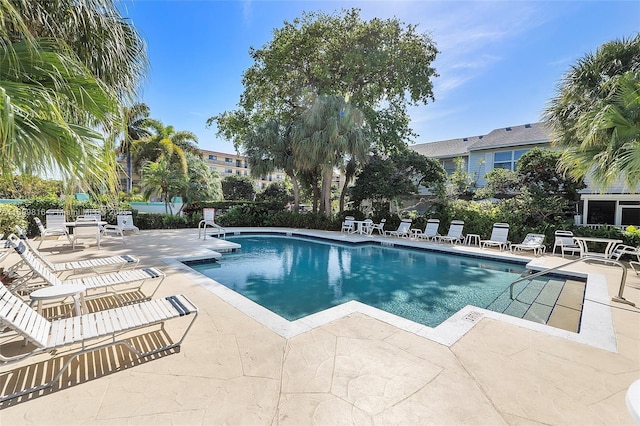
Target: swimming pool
[(296, 277)]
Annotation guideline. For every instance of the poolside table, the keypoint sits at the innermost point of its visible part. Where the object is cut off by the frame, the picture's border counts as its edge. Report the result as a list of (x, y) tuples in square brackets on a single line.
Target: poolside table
[(360, 226), (76, 291), (608, 251), (86, 224)]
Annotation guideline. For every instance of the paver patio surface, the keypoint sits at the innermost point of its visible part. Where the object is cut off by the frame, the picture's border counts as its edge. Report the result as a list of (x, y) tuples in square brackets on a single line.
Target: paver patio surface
[(355, 370)]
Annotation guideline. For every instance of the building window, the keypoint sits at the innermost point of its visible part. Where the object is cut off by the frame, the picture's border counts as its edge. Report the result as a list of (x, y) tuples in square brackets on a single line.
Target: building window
[(238, 163), (238, 173), (601, 212), (228, 160), (228, 171), (212, 169), (449, 166), (213, 157), (246, 173), (279, 177), (507, 159)]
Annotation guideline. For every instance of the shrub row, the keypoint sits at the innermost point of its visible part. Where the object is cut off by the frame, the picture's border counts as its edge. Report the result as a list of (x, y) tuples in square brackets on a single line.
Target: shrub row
[(478, 217)]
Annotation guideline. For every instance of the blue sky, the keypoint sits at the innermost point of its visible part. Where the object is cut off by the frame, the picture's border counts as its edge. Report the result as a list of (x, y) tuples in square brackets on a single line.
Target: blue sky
[(499, 65)]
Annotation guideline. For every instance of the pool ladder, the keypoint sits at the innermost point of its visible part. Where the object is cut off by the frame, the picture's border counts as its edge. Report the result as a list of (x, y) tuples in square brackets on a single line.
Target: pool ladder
[(619, 298)]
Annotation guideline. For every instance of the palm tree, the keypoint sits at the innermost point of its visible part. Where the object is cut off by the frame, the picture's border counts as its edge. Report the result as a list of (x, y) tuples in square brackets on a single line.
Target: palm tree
[(203, 184), (594, 116), (610, 135), (167, 143), (163, 179), (133, 127), (327, 135), (46, 98), (105, 42), (268, 148), (65, 67)]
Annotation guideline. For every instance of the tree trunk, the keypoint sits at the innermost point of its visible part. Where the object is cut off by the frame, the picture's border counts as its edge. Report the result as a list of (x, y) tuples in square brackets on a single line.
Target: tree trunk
[(326, 190), (296, 190), (316, 192), (129, 180), (347, 178)]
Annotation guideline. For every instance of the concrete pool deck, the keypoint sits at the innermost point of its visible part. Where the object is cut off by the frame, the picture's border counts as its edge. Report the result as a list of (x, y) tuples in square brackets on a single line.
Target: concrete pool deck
[(355, 369)]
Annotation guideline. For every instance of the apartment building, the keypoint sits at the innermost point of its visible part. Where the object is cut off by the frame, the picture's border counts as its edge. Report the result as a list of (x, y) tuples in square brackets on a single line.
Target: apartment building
[(224, 163), (233, 164), (617, 205)]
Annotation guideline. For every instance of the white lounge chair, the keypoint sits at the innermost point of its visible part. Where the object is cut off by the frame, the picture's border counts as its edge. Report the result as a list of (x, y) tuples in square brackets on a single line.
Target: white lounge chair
[(499, 237), (403, 229), (430, 231), (89, 332), (124, 219), (208, 219), (455, 233), (378, 227), (564, 240), (56, 225), (533, 242), (81, 266), (622, 249), (96, 283), (348, 225)]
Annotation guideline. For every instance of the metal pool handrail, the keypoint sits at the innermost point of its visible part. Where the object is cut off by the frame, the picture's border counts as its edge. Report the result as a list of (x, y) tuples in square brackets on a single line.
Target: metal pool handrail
[(618, 298)]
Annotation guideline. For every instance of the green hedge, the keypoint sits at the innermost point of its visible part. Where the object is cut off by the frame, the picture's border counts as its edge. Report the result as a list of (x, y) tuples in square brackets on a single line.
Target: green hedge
[(10, 216), (39, 206)]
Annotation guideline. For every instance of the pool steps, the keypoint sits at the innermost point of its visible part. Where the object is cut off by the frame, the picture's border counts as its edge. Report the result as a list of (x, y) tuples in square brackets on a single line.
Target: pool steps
[(551, 301)]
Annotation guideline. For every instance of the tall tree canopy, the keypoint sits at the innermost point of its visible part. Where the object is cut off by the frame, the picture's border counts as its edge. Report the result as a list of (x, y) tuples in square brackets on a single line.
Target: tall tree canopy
[(384, 179), (379, 67), (595, 115)]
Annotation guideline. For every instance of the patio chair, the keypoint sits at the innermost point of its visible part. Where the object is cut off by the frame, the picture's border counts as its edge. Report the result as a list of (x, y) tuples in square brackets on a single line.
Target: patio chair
[(564, 240), (56, 225), (86, 227), (124, 220), (90, 332), (378, 227), (347, 225), (80, 266), (208, 219), (455, 233), (99, 283), (533, 242), (430, 231), (499, 237), (403, 229)]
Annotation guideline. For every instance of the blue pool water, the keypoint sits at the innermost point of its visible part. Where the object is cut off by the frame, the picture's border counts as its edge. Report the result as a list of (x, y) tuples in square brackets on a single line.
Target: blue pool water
[(297, 277)]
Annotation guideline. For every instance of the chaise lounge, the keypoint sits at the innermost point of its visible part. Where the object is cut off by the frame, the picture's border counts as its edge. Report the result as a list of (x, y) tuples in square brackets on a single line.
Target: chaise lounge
[(455, 233), (533, 242), (103, 282), (499, 237), (89, 330), (79, 266)]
